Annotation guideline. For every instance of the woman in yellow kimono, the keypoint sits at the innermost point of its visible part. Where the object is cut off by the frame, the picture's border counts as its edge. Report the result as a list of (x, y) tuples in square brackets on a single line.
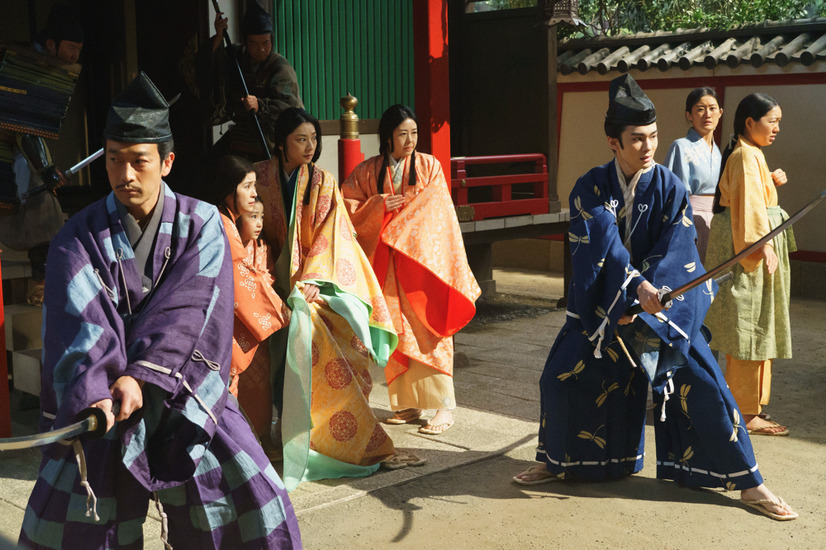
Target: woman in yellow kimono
[(400, 204), (340, 324), (259, 311), (749, 318)]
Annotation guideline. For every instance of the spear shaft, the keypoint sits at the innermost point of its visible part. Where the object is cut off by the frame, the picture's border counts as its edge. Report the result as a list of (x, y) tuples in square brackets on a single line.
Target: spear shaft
[(231, 53)]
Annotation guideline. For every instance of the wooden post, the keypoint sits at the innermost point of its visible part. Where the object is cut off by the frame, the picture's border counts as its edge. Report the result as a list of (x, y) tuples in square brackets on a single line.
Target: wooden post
[(552, 149), (5, 399), (432, 78)]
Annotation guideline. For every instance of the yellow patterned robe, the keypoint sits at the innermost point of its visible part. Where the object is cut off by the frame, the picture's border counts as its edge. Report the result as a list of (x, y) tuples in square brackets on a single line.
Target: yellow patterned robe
[(328, 427)]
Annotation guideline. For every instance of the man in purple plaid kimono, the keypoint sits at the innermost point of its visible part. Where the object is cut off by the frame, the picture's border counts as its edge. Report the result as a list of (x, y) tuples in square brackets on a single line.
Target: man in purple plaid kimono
[(138, 322)]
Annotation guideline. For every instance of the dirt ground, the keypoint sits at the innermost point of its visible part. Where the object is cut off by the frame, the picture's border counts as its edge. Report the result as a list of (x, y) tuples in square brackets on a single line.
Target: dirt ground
[(477, 506), (465, 499)]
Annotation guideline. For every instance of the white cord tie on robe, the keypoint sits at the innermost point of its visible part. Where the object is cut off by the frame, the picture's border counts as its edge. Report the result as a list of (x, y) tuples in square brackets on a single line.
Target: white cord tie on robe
[(199, 357), (642, 208), (91, 499), (667, 391), (164, 522), (167, 253), (672, 324), (611, 206), (186, 385), (600, 332), (109, 291), (123, 275)]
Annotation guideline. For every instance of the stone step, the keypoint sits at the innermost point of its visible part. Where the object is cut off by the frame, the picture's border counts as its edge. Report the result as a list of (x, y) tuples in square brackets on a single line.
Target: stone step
[(26, 368), (23, 324)]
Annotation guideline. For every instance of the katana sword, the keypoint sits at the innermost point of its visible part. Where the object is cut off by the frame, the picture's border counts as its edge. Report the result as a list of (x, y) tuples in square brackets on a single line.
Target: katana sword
[(91, 424), (82, 164), (67, 174), (679, 291)]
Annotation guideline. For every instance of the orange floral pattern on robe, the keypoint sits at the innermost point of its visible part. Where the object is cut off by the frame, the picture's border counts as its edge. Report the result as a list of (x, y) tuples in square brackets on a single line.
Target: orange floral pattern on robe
[(324, 250), (419, 255), (259, 311), (258, 255)]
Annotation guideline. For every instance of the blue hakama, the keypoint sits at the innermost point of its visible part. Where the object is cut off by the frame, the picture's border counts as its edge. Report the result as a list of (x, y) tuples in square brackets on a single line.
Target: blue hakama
[(594, 385)]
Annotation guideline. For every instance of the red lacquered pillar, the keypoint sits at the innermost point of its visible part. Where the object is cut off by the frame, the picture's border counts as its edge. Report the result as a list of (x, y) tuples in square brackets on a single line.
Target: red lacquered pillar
[(432, 78)]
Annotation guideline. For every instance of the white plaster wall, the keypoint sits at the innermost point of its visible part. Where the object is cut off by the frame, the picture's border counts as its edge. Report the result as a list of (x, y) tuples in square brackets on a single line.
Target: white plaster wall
[(583, 144), (798, 149)]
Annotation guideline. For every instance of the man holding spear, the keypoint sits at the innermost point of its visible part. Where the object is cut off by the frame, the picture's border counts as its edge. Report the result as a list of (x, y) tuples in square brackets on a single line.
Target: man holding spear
[(249, 84)]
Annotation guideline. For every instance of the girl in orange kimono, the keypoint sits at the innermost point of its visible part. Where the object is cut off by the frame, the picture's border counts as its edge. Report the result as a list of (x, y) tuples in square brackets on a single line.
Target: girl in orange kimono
[(340, 323), (250, 224), (259, 311), (400, 205)]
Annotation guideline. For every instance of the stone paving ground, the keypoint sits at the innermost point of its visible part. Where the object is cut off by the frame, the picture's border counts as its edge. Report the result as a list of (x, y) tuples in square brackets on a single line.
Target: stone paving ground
[(464, 497)]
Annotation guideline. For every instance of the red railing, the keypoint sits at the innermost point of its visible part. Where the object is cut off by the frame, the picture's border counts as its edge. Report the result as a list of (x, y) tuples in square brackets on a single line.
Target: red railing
[(502, 203)]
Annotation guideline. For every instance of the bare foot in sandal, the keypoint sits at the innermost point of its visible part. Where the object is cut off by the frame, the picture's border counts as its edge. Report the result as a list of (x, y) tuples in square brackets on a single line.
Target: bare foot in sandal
[(405, 416), (757, 425), (440, 423), (765, 502), (535, 475)]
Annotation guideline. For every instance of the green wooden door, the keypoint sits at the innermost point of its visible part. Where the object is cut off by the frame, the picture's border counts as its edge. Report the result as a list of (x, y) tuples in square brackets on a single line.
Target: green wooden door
[(361, 47)]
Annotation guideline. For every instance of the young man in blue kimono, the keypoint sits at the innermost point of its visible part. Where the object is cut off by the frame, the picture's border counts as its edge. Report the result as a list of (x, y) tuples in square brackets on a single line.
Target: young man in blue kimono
[(138, 323), (631, 234)]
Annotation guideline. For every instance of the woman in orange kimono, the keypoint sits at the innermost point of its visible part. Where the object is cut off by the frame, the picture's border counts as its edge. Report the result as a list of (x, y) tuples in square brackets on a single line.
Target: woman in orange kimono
[(259, 311), (400, 205), (340, 324)]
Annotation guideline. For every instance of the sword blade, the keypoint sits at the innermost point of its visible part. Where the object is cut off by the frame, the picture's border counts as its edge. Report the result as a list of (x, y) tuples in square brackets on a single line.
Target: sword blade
[(88, 424), (710, 274), (82, 164), (88, 160)]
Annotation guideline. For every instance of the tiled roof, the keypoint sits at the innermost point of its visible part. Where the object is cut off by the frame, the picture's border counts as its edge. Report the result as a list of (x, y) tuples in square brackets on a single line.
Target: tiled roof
[(800, 41)]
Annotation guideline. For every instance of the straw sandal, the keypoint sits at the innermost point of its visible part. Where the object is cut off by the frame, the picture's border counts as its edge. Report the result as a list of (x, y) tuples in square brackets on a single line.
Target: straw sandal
[(405, 416), (763, 505)]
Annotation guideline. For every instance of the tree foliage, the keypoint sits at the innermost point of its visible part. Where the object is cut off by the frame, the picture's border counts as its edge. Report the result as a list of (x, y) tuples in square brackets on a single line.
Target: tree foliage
[(613, 17)]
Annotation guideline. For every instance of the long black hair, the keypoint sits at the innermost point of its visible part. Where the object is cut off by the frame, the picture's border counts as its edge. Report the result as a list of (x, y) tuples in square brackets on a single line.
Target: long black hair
[(390, 120), (697, 94), (753, 106), (223, 177), (287, 122)]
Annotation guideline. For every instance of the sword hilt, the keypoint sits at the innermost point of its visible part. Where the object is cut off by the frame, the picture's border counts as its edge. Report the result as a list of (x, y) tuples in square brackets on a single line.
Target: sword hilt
[(636, 309), (666, 294), (97, 422)]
